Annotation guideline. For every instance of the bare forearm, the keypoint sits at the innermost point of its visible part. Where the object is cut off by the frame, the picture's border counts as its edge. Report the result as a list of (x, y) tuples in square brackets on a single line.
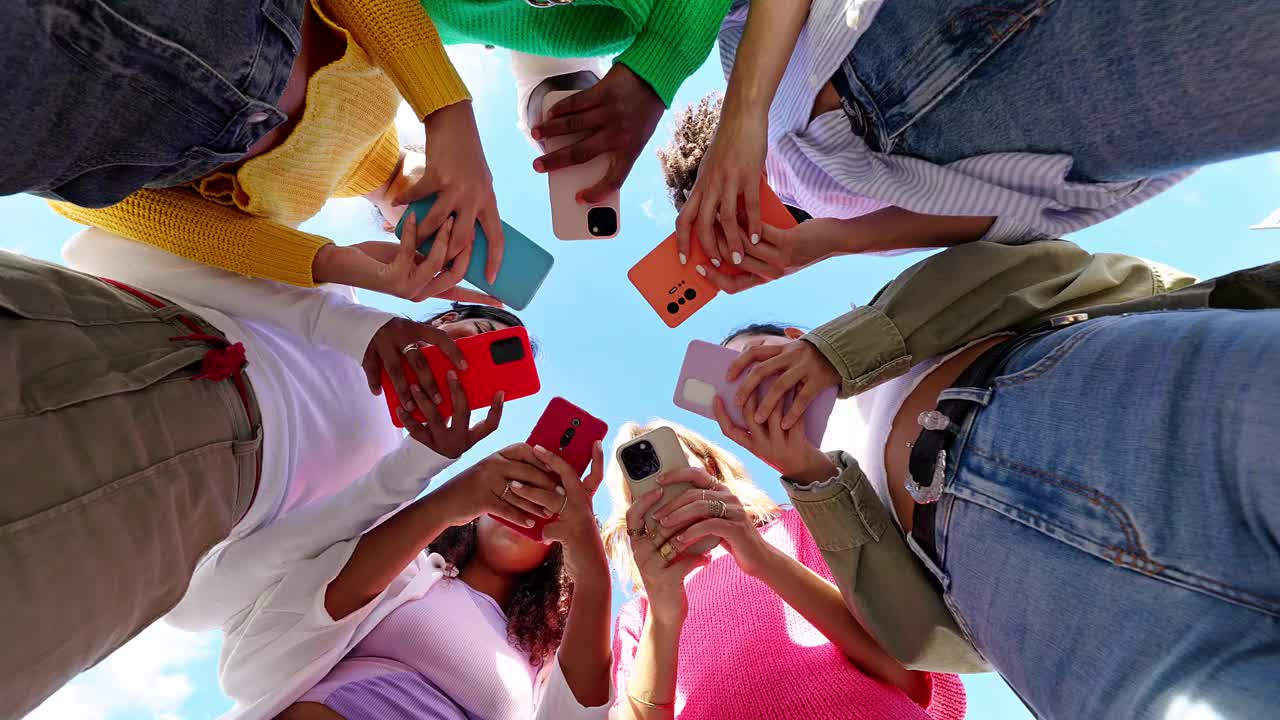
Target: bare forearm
[(584, 652), (767, 43), (820, 602), (893, 228), (653, 673), (383, 553)]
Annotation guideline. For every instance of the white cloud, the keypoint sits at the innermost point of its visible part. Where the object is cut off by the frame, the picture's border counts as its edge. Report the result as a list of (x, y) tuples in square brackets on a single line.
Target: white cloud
[(646, 207), (660, 212), (147, 677)]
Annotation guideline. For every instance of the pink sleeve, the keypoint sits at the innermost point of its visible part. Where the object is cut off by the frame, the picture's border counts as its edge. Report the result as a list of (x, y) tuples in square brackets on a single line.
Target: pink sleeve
[(947, 700), (626, 641)]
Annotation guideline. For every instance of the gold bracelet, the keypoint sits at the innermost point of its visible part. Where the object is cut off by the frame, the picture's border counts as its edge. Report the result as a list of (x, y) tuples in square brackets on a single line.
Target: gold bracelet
[(655, 706)]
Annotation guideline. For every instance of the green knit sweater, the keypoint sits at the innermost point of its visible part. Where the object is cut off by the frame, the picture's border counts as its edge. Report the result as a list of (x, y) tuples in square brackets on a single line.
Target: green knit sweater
[(662, 41)]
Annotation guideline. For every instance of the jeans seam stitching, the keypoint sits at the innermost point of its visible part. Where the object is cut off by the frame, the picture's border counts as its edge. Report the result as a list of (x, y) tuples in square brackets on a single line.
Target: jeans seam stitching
[(1051, 360), (1095, 497)]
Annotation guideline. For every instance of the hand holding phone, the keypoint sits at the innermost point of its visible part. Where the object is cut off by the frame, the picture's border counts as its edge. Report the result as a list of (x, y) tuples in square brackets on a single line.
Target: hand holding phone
[(703, 378), (676, 290), (570, 432), (498, 361), (571, 219), (649, 457), (524, 266)]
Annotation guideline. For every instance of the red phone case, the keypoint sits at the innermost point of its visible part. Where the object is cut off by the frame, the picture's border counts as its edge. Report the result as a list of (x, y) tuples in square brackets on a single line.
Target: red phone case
[(498, 360), (676, 291), (551, 432)]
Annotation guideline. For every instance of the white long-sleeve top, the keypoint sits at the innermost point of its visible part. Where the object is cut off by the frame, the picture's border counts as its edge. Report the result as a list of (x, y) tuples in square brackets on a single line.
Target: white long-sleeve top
[(333, 465)]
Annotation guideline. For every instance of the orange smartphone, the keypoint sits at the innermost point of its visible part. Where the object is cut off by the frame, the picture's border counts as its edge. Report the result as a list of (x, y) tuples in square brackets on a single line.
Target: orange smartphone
[(676, 291), (570, 219)]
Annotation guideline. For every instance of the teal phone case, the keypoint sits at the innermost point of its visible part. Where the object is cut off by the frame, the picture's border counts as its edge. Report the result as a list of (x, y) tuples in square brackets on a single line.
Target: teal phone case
[(524, 263)]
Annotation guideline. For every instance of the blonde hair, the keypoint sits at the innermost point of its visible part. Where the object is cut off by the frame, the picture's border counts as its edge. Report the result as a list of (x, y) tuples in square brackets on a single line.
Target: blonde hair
[(721, 465), (679, 160)]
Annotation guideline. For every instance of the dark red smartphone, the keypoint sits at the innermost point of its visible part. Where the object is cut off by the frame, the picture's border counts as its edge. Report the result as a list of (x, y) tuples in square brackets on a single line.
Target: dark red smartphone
[(497, 360), (568, 431)]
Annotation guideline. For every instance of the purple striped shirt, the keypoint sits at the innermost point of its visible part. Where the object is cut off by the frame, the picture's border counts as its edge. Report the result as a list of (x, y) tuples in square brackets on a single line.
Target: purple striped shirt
[(826, 170)]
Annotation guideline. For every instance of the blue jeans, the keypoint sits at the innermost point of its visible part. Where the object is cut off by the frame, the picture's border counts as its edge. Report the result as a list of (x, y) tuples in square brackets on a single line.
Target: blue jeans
[(1130, 88), (101, 99), (1109, 536)]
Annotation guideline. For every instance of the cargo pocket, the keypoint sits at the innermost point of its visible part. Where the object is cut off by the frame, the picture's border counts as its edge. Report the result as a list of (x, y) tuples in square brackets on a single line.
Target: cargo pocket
[(70, 338)]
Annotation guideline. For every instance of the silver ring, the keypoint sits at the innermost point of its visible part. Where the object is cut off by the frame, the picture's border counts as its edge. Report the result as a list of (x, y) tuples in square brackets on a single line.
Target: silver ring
[(410, 348)]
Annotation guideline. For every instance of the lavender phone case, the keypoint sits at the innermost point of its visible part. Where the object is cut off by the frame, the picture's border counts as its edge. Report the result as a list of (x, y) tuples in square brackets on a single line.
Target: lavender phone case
[(702, 378)]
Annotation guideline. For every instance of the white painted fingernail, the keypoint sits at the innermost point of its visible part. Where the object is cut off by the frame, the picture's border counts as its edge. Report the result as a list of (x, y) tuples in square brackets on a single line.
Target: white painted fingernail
[(701, 270), (517, 484), (528, 523), (737, 258), (715, 261), (683, 260), (755, 238), (559, 490)]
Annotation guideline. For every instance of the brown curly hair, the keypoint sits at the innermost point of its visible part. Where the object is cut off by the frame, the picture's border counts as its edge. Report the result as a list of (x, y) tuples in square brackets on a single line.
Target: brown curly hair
[(539, 604), (695, 128)]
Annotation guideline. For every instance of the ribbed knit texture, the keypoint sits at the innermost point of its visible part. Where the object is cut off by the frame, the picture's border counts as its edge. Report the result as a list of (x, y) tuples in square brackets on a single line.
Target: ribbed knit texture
[(746, 655), (405, 43), (344, 144), (662, 41)]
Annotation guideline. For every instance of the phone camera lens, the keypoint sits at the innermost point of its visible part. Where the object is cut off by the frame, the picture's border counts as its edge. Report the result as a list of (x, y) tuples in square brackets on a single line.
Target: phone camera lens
[(673, 308), (576, 422), (640, 461), (689, 294), (603, 221), (566, 438)]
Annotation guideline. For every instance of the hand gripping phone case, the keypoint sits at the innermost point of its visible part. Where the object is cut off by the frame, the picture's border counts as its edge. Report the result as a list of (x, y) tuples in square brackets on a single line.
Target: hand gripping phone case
[(570, 219), (676, 291), (568, 431), (662, 452), (702, 379), (524, 263), (498, 360)]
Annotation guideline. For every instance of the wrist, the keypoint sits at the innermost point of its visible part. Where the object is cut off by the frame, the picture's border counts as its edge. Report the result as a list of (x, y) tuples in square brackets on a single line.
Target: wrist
[(666, 619), (820, 468)]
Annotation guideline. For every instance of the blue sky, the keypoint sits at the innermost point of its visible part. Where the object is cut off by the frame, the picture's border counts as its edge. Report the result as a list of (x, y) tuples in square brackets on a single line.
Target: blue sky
[(604, 349)]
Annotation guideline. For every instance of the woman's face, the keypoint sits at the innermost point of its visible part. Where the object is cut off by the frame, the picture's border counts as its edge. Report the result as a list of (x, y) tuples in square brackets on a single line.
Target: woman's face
[(745, 342), (506, 551), (458, 329)]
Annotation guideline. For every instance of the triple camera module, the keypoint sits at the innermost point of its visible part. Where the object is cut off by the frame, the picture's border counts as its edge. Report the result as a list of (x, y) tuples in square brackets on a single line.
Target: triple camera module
[(640, 460), (674, 307)]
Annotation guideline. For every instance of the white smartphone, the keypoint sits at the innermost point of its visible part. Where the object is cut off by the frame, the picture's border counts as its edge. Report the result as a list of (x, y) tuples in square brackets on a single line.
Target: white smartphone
[(570, 219)]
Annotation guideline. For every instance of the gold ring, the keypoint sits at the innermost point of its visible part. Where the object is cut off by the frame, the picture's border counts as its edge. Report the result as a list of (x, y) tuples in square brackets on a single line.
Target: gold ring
[(634, 533), (505, 490), (410, 348), (563, 505), (667, 551), (719, 508)]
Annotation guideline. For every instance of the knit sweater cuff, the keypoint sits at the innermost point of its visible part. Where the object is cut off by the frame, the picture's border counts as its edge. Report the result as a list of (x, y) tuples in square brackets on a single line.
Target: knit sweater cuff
[(404, 42), (375, 167), (675, 41)]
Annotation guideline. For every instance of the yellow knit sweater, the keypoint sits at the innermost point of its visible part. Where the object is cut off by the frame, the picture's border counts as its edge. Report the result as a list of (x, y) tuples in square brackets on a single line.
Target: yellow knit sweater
[(344, 145)]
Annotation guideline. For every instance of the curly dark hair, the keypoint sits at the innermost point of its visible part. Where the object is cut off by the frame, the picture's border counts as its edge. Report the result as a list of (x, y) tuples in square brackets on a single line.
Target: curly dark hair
[(695, 128), (539, 605)]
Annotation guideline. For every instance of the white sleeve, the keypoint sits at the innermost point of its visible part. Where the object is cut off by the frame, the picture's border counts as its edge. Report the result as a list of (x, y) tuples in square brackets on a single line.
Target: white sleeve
[(531, 70), (229, 579), (328, 316), (557, 702)]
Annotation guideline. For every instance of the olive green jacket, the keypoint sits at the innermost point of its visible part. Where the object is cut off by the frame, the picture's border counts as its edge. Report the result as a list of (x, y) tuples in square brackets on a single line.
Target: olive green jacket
[(963, 294)]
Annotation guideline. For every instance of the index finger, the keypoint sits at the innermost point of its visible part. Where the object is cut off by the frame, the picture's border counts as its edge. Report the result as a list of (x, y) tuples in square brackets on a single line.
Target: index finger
[(492, 229), (697, 477), (641, 506), (684, 226), (751, 196), (447, 345), (577, 102), (461, 409), (596, 476), (749, 357)]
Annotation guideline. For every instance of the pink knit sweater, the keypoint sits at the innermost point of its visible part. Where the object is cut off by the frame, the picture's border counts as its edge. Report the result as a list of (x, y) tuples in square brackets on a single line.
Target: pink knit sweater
[(745, 654)]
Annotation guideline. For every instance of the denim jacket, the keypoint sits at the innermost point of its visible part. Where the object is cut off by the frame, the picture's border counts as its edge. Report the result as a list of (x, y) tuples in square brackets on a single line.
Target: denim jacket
[(959, 295)]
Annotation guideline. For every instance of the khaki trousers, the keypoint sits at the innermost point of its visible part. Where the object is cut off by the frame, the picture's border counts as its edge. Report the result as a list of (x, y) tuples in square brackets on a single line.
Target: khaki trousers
[(117, 471)]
